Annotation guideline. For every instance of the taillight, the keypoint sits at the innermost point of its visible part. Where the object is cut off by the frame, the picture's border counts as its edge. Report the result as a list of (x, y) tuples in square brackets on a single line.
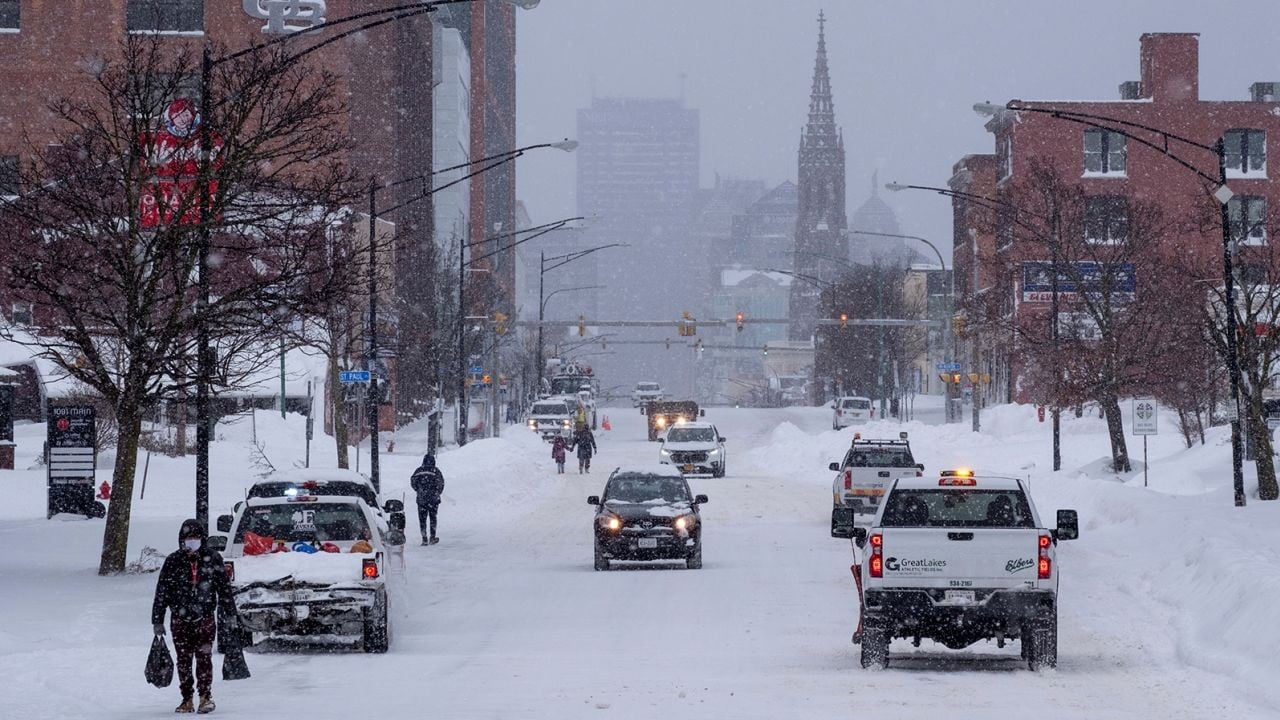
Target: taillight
[(1044, 568), (848, 479), (231, 570), (370, 568), (877, 555)]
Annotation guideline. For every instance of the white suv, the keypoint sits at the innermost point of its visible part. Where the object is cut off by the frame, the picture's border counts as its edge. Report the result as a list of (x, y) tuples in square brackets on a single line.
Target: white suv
[(646, 392), (694, 448), (960, 558), (846, 411)]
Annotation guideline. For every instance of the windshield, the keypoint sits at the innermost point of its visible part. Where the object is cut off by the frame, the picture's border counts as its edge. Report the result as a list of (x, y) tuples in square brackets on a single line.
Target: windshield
[(650, 489), (681, 435), (856, 404), (567, 385), (331, 488), (326, 522), (880, 457), (647, 387), (958, 507), (550, 409)]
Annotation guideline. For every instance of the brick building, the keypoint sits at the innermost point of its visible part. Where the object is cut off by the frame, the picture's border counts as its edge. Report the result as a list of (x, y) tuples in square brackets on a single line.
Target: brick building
[(1114, 173)]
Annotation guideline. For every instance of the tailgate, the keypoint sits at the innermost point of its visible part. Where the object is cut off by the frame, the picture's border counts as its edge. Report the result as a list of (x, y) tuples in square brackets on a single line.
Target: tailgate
[(959, 557), (873, 482)]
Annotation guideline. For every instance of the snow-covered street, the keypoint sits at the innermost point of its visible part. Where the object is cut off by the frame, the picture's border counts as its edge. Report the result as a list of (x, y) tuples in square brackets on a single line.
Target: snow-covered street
[(1163, 614)]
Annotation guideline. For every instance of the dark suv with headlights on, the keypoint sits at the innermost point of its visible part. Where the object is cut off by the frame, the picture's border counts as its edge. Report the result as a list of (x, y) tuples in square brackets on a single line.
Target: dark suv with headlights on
[(647, 514)]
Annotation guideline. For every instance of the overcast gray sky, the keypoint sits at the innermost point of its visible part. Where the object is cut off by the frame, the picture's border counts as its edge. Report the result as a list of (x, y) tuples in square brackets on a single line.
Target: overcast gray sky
[(905, 75)]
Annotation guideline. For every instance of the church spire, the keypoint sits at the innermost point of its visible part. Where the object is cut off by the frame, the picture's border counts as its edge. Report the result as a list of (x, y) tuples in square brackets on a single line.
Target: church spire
[(822, 114)]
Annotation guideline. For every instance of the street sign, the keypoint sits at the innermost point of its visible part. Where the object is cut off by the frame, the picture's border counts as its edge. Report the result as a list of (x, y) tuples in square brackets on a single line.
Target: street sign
[(952, 366), (1144, 416), (477, 369), (347, 377), (72, 442)]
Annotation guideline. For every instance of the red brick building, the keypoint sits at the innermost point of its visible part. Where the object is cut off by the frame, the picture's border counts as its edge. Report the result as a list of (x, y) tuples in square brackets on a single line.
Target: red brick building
[(1114, 172)]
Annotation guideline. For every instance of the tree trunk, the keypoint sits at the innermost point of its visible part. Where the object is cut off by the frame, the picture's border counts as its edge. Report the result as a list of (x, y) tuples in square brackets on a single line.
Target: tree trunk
[(1115, 428), (338, 408), (1257, 427), (1200, 425), (115, 537), (1184, 425)]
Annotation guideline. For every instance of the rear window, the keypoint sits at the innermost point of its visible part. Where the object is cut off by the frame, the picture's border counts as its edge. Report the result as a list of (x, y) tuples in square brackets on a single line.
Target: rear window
[(957, 508), (325, 522), (880, 457), (647, 386), (853, 404)]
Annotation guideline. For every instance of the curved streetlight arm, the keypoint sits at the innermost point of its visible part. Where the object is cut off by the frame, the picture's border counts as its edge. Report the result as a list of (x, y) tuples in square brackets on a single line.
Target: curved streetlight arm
[(982, 200), (553, 293), (562, 260), (537, 233), (816, 282), (566, 145), (906, 237)]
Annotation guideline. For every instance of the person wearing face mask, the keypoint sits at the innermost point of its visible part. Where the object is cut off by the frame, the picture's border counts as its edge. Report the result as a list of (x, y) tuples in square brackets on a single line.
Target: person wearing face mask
[(192, 586)]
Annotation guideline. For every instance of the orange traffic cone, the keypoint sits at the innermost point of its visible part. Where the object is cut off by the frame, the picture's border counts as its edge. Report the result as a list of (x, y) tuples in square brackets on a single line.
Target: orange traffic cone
[(606, 424)]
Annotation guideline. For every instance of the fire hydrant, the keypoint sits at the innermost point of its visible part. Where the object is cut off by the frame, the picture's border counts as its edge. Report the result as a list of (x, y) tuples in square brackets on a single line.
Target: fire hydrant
[(104, 491)]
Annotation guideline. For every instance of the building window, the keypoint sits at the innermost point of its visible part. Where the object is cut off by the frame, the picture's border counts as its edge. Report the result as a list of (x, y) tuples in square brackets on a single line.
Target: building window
[(10, 15), (1246, 153), (1104, 152), (1005, 149), (165, 15), (1106, 220), (1248, 215), (22, 314), (8, 175)]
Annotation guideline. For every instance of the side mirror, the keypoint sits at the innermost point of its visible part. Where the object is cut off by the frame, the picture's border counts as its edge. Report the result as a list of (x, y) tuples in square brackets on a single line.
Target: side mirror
[(723, 440), (834, 467), (224, 523), (842, 523), (216, 543), (593, 500), (1068, 525), (860, 536), (396, 521), (394, 506), (920, 467), (700, 500), (643, 410)]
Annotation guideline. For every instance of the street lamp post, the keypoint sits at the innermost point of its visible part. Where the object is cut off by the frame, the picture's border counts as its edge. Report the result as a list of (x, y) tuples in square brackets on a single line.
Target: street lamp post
[(1217, 186), (557, 261)]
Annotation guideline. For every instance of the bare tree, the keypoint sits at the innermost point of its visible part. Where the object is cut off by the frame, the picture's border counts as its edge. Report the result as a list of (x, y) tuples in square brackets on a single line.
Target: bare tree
[(113, 279)]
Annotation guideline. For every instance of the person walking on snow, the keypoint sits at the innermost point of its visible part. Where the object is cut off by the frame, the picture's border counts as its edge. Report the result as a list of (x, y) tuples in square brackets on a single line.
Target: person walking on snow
[(558, 447), (192, 586), (585, 442), (428, 483)]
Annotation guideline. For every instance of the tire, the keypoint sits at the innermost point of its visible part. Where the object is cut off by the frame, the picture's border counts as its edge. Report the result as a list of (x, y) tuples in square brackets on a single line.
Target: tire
[(1042, 651), (377, 628), (694, 561), (602, 562), (875, 645)]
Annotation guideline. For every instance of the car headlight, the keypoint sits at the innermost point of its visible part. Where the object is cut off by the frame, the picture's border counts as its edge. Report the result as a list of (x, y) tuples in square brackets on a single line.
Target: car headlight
[(684, 522), (611, 522), (714, 451), (661, 421), (664, 452)]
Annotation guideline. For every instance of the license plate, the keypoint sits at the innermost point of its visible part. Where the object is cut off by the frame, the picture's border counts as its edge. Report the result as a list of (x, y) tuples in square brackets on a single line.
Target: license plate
[(689, 467), (651, 543), (958, 597)]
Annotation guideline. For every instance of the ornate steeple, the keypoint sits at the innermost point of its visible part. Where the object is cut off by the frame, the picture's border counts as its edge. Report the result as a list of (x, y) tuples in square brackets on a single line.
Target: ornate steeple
[(821, 129)]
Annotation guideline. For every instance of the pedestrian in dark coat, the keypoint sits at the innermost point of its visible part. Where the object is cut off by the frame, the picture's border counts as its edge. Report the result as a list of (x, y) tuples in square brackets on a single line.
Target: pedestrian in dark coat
[(193, 586), (428, 484), (585, 443), (558, 447)]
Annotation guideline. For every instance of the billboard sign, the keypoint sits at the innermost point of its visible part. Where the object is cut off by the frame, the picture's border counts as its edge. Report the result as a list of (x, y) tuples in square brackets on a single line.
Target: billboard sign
[(73, 455), (172, 156), (1037, 280)]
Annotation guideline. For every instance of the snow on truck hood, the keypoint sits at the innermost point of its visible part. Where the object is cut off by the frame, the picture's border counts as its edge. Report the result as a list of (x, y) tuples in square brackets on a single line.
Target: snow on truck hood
[(321, 567)]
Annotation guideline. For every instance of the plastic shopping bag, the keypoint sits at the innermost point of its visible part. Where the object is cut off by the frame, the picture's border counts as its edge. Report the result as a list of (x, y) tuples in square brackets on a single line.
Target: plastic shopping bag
[(159, 670)]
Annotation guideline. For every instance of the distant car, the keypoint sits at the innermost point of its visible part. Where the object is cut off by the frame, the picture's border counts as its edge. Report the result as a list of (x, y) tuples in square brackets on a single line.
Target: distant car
[(552, 417), (694, 448), (646, 392), (647, 513), (668, 414), (852, 410)]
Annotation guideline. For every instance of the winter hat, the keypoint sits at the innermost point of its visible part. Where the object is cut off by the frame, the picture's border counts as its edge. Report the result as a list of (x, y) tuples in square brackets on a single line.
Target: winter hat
[(191, 528), (429, 460)]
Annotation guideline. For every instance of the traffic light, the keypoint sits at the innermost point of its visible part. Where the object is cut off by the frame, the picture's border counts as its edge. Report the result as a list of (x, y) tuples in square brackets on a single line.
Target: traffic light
[(955, 379), (844, 321), (582, 326), (500, 323), (958, 324), (686, 326), (740, 322), (766, 349)]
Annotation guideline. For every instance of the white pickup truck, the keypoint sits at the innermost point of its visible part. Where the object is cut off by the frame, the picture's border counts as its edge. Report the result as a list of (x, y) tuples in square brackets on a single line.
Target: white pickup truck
[(957, 559), (862, 477), (310, 568)]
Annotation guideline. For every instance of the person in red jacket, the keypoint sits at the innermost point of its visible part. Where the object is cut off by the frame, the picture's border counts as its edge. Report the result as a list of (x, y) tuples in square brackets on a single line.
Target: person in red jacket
[(192, 586), (559, 446)]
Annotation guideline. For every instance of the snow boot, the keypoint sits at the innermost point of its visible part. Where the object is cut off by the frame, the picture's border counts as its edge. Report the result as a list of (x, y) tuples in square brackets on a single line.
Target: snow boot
[(206, 705), (185, 707), (434, 540)]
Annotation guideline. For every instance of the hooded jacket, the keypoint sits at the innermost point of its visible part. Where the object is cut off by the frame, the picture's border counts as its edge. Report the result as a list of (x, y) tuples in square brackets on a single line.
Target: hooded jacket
[(192, 585), (428, 482)]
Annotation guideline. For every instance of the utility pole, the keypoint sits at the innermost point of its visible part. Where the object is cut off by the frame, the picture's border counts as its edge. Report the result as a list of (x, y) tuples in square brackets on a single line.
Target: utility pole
[(371, 355), (977, 342), (1054, 331)]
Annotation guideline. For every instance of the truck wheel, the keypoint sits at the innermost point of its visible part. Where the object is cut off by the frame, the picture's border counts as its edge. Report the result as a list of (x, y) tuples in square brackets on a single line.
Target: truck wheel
[(1043, 650), (694, 561), (377, 628), (602, 562), (875, 645)]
